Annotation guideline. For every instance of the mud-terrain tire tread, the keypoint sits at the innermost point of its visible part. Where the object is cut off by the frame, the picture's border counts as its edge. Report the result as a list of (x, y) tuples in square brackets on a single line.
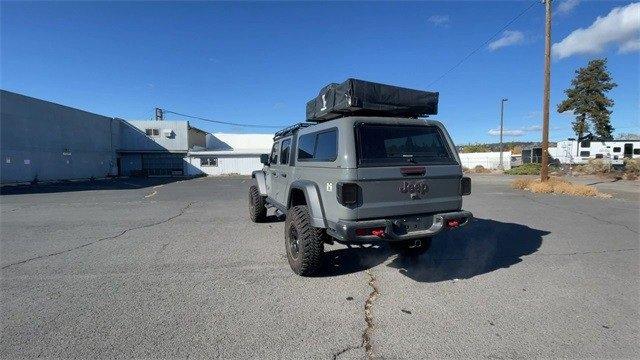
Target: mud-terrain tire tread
[(257, 208), (310, 241)]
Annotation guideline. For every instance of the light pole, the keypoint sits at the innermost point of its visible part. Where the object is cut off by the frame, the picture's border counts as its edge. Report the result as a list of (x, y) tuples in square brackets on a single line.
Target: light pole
[(501, 127)]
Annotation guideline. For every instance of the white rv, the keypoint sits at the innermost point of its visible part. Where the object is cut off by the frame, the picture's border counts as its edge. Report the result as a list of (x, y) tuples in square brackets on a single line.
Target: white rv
[(572, 151)]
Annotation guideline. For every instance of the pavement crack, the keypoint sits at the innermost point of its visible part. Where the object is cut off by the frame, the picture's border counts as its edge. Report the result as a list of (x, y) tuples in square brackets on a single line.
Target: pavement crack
[(40, 257), (368, 315), (581, 213), (368, 319), (347, 349)]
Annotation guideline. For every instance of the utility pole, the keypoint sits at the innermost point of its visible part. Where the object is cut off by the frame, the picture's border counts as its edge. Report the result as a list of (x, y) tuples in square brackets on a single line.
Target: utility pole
[(501, 127), (544, 170), (159, 114)]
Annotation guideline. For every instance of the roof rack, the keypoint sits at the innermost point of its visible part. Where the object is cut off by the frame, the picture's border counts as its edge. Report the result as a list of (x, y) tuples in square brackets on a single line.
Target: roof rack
[(291, 129)]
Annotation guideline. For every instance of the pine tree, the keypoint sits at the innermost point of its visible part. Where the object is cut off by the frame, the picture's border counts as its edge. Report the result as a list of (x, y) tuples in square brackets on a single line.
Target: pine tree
[(587, 98)]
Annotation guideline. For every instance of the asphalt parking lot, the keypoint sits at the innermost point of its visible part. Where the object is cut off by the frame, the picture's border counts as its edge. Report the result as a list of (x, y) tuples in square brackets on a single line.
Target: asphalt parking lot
[(159, 268)]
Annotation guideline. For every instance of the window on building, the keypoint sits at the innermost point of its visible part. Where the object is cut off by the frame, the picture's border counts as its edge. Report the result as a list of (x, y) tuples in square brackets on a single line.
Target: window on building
[(152, 132), (585, 153), (599, 156), (285, 149), (208, 161), (636, 151), (617, 149), (585, 143), (319, 146)]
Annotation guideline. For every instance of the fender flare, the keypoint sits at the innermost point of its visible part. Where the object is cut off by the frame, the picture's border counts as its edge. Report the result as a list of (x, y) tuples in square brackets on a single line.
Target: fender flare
[(314, 201), (258, 175)]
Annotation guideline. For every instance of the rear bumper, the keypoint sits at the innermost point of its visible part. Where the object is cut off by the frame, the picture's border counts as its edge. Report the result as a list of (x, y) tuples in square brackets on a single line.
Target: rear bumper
[(396, 229)]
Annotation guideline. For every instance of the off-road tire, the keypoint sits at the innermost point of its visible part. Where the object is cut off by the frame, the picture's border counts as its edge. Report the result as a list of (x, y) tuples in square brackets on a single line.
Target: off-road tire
[(407, 248), (307, 261), (257, 208)]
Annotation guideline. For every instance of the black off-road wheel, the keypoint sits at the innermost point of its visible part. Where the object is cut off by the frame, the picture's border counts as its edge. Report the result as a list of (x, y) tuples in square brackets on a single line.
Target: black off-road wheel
[(411, 247), (257, 208), (303, 242)]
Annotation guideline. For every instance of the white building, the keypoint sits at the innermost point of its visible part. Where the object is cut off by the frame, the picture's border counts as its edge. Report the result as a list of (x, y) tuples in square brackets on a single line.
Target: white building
[(572, 151), (230, 154), (488, 160)]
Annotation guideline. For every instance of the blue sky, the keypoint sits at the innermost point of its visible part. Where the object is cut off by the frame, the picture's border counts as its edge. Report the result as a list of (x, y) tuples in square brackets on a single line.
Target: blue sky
[(260, 62)]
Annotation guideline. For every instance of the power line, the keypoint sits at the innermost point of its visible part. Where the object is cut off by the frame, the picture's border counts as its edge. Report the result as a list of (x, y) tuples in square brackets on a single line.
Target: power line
[(483, 44), (222, 122)]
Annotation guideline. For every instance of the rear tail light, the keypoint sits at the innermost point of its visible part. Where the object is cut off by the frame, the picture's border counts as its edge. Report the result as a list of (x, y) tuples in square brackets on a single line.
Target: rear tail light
[(347, 193), (465, 186)]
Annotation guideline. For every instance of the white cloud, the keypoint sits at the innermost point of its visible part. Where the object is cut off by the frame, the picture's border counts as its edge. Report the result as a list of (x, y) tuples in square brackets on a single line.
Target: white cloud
[(630, 46), (567, 5), (505, 132), (439, 20), (621, 26), (508, 38), (515, 132)]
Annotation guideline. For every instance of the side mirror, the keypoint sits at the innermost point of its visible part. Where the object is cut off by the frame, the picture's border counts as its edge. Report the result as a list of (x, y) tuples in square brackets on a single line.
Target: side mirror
[(264, 159)]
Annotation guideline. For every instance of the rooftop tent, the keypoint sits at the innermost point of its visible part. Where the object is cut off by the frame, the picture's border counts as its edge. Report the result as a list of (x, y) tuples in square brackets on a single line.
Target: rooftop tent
[(359, 97)]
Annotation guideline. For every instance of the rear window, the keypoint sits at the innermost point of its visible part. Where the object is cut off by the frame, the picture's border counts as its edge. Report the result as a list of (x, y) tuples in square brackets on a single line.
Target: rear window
[(380, 145)]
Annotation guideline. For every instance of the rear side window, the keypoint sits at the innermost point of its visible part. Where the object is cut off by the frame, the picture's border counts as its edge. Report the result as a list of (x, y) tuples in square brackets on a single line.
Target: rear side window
[(380, 145), (320, 146), (284, 151), (306, 144), (585, 153), (326, 146)]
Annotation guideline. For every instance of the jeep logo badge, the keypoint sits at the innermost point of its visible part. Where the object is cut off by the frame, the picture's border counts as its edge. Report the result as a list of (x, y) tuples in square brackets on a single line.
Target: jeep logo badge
[(414, 187)]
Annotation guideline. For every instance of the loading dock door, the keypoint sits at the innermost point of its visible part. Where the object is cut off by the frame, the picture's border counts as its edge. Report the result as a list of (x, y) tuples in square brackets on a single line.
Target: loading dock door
[(164, 164)]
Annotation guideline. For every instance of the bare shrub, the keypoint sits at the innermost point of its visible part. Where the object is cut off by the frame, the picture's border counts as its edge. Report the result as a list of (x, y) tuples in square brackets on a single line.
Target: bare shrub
[(632, 166), (597, 166), (480, 169)]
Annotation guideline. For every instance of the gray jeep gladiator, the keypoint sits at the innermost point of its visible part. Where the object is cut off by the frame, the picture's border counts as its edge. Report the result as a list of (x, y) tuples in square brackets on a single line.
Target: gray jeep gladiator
[(360, 180)]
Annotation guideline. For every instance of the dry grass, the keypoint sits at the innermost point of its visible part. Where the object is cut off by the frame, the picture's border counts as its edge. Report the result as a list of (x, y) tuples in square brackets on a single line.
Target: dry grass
[(556, 186)]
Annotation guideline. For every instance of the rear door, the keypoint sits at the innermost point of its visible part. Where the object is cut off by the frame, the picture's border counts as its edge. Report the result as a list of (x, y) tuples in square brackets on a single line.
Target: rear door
[(405, 170), (271, 171)]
